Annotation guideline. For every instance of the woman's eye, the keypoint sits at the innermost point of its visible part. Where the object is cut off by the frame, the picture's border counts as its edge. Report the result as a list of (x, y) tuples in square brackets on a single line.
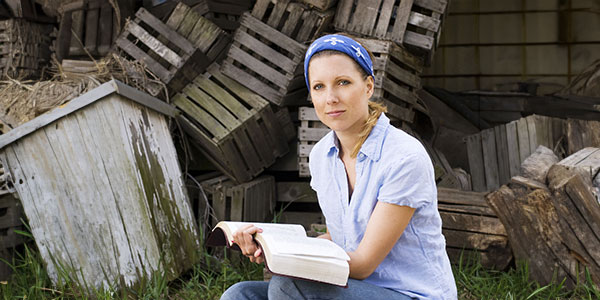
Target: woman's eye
[(344, 82), (317, 86)]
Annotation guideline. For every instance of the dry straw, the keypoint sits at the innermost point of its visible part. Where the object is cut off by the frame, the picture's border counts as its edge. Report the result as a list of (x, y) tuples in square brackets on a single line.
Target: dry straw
[(21, 101)]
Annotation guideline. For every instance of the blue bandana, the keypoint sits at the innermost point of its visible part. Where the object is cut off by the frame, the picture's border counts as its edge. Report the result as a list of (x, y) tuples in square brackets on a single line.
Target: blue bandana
[(342, 44)]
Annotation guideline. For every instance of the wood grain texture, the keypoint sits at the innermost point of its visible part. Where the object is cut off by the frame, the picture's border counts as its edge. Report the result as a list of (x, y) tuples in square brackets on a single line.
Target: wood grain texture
[(108, 199)]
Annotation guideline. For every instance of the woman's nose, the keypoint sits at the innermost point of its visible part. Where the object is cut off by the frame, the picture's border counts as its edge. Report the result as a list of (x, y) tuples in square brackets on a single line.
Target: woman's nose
[(332, 96)]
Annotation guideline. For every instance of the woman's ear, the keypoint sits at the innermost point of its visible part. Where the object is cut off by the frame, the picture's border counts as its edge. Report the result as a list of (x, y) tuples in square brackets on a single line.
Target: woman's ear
[(370, 86)]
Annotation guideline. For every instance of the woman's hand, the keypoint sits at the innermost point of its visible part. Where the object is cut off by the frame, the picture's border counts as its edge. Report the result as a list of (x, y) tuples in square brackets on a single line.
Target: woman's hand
[(245, 240)]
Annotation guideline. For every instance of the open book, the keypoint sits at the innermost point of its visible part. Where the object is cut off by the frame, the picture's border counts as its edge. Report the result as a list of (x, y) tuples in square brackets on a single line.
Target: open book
[(289, 252)]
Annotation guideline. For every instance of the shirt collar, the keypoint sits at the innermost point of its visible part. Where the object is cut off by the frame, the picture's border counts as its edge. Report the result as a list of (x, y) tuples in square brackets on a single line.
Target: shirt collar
[(371, 147)]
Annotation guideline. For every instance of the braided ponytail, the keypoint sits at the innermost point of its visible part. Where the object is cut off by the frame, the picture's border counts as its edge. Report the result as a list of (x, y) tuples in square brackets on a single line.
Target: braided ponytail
[(375, 110)]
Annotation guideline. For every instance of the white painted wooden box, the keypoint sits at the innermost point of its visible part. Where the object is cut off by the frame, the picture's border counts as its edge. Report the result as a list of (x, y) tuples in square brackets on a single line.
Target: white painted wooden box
[(102, 188)]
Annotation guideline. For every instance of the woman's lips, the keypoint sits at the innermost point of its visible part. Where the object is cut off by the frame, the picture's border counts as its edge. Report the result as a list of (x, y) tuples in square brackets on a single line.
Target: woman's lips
[(335, 113)]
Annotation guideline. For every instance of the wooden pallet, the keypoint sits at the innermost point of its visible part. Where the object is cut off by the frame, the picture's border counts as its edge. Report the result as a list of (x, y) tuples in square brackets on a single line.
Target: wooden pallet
[(271, 66), (471, 228), (293, 19), (24, 48), (226, 13), (311, 130), (397, 78), (496, 154), (413, 23), (236, 128), (170, 56), (86, 28), (201, 32), (252, 201)]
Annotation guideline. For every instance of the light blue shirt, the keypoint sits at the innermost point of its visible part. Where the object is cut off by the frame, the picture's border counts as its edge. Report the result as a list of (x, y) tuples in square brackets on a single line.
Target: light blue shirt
[(391, 167)]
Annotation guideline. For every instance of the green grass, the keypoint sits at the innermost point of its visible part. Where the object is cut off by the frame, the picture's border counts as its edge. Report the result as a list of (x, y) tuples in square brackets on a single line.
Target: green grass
[(209, 278)]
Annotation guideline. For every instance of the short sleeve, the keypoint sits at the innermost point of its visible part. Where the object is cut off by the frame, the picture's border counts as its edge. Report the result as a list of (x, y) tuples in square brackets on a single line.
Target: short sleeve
[(409, 182)]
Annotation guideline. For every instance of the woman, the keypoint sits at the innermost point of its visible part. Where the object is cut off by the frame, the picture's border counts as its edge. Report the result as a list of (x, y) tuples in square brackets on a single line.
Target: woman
[(375, 186)]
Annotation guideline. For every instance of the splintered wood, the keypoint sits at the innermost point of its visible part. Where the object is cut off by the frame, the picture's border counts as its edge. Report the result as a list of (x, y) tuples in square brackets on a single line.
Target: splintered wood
[(472, 229), (235, 127), (556, 228)]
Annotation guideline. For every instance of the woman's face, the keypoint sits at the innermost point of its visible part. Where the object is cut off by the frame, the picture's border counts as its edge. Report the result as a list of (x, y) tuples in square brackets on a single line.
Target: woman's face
[(339, 92)]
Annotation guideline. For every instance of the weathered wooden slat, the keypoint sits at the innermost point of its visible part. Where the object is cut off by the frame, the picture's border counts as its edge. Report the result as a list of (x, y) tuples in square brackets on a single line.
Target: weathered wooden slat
[(512, 142), (476, 163)]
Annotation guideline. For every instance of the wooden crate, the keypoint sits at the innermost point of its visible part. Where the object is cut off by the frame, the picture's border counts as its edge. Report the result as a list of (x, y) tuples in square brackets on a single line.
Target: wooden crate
[(120, 213), (322, 5), (397, 78), (415, 24), (86, 28), (10, 220), (170, 56), (201, 32), (311, 130), (24, 48), (236, 129), (252, 201), (297, 204), (271, 66), (471, 228), (496, 154), (226, 13), (293, 19)]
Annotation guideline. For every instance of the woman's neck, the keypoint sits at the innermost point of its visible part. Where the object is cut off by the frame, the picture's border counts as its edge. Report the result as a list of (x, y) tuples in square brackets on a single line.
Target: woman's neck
[(347, 141)]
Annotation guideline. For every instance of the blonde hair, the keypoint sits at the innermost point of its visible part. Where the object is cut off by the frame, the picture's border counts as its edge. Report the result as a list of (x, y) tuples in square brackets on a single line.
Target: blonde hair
[(375, 110)]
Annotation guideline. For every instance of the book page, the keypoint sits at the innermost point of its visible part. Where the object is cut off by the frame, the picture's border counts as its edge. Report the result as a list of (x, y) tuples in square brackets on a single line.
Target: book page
[(281, 244), (294, 230)]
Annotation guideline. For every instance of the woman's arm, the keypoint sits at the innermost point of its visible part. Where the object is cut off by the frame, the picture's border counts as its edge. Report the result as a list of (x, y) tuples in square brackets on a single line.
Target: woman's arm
[(386, 225)]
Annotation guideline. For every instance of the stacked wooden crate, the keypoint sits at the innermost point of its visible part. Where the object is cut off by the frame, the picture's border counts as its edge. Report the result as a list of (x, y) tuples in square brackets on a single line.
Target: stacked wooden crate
[(169, 55), (225, 13), (496, 154), (253, 201), (415, 24), (235, 128), (311, 130), (269, 46), (86, 28), (396, 78), (24, 48)]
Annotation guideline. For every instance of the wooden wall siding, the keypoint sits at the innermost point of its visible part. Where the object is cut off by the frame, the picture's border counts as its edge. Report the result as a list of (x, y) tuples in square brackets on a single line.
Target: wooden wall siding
[(293, 19), (174, 59), (495, 154), (311, 130), (472, 228), (24, 48), (396, 78), (271, 66), (236, 128), (415, 24), (103, 193), (488, 44)]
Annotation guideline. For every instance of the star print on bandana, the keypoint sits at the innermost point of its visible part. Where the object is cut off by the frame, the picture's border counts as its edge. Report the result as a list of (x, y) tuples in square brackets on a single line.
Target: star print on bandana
[(333, 41), (341, 44)]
